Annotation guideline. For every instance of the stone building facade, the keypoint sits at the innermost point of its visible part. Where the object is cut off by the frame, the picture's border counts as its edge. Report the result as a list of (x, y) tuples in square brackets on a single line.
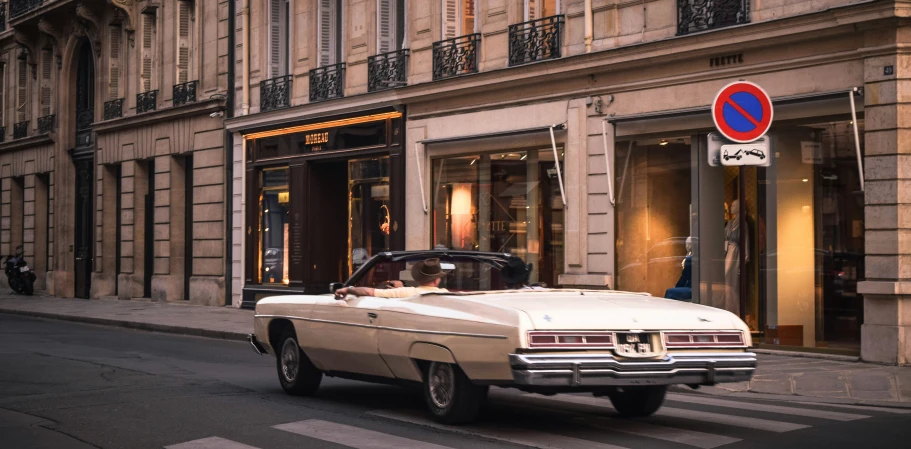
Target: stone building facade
[(112, 159), (576, 133)]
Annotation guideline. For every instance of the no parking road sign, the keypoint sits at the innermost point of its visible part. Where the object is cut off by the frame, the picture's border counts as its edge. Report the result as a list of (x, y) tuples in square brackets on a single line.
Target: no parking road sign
[(742, 112)]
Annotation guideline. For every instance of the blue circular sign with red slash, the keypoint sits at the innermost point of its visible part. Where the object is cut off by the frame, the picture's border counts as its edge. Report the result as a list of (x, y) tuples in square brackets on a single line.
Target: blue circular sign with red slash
[(742, 112)]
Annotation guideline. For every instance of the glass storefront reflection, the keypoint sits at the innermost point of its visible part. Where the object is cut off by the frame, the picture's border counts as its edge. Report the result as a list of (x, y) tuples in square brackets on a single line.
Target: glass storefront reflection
[(503, 202), (780, 246), (369, 214), (274, 200)]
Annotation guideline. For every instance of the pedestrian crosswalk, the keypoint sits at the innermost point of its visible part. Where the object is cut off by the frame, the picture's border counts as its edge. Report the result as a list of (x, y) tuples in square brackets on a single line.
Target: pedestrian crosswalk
[(570, 422)]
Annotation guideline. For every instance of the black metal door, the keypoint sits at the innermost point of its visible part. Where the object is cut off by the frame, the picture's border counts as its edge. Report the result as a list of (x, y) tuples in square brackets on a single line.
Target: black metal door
[(84, 160), (83, 232)]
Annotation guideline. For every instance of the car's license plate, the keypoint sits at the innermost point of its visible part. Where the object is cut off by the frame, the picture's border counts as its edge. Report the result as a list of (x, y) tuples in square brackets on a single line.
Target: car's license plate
[(634, 344)]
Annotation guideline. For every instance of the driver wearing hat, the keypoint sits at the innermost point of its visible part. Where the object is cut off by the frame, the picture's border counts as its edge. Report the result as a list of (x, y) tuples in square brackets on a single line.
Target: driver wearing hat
[(427, 273)]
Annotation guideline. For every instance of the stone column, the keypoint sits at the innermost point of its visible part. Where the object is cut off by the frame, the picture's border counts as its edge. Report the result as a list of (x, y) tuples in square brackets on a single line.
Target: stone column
[(134, 186), (207, 283), (104, 276), (886, 332), (162, 288), (42, 232)]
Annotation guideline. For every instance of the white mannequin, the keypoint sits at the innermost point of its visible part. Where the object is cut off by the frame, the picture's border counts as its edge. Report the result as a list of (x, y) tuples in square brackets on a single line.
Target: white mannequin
[(732, 258)]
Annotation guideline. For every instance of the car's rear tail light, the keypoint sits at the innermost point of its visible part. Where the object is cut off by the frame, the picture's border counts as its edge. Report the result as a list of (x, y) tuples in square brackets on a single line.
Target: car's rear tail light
[(703, 339), (568, 340)]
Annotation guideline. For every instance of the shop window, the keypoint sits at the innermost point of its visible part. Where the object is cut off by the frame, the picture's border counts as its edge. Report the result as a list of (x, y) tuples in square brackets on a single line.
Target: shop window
[(369, 210), (503, 202), (780, 246), (652, 216), (274, 210)]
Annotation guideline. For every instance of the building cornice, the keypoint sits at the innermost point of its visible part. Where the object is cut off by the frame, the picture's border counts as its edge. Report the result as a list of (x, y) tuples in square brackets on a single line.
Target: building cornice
[(26, 143), (831, 22), (160, 115)]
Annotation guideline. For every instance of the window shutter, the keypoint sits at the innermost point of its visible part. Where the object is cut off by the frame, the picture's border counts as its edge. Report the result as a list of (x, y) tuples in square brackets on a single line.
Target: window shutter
[(451, 18), (327, 32), (531, 10), (148, 28), (22, 97), (114, 74), (183, 41), (275, 35), (46, 56), (385, 26)]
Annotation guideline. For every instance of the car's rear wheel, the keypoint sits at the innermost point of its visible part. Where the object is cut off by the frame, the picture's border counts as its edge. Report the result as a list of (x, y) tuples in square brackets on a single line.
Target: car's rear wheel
[(450, 395), (296, 373), (637, 401)]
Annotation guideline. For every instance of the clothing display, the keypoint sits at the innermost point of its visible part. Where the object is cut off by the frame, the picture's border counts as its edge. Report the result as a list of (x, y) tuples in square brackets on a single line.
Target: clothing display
[(732, 258)]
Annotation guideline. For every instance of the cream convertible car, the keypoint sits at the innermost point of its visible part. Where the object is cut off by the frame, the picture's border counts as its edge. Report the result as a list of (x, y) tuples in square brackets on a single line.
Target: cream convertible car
[(455, 344)]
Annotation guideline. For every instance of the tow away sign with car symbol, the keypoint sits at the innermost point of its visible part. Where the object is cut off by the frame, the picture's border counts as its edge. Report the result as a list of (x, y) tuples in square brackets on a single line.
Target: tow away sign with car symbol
[(742, 112)]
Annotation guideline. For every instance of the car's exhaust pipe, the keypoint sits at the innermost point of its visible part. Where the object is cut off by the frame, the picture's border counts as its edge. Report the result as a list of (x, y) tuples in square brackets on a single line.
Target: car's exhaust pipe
[(256, 345)]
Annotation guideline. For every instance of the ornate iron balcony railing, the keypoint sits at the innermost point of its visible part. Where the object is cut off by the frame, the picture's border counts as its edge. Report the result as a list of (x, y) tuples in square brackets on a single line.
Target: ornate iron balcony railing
[(185, 93), (701, 15), (327, 82), (20, 7), (387, 70), (2, 134), (536, 40), (113, 109), (46, 124), (2, 16), (20, 130), (146, 101), (456, 56), (275, 93)]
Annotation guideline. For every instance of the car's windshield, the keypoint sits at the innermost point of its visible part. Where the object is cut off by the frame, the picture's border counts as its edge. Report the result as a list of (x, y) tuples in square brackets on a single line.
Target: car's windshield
[(462, 274)]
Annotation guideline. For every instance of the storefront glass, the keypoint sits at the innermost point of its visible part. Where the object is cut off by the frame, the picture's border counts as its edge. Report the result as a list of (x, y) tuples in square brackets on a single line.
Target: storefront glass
[(780, 246), (369, 214), (274, 200), (502, 202)]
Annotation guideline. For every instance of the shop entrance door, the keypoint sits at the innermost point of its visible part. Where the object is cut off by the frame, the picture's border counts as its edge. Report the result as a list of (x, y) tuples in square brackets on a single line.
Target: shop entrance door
[(327, 193)]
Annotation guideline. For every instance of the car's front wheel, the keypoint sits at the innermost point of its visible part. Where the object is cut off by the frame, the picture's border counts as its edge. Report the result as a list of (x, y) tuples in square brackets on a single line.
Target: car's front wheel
[(296, 373), (637, 401), (450, 395)]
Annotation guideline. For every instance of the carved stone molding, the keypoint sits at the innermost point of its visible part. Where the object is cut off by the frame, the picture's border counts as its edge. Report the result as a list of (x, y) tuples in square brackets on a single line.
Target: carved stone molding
[(127, 7), (91, 26)]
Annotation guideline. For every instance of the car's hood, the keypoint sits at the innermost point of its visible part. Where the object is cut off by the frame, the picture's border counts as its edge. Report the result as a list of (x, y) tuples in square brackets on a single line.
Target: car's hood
[(594, 310)]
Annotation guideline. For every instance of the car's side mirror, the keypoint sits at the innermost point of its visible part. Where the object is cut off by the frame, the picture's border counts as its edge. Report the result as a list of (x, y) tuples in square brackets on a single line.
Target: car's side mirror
[(333, 286)]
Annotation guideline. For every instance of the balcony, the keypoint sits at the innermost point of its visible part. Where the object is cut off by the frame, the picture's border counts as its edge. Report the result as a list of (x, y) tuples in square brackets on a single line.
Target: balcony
[(275, 93), (146, 101), (537, 40), (701, 15), (327, 82), (456, 56), (113, 109), (20, 130), (185, 93), (46, 124), (387, 70), (2, 16), (20, 7)]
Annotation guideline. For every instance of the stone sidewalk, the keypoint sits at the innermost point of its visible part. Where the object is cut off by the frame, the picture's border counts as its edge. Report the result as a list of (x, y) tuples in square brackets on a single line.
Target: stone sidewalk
[(780, 376)]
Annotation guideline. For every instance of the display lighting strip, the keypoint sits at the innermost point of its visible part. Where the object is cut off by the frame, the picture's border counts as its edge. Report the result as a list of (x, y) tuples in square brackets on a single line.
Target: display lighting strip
[(570, 340), (321, 125), (703, 339)]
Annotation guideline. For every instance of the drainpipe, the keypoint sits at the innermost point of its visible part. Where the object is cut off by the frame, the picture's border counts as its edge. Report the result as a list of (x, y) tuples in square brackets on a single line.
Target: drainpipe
[(588, 26), (229, 160), (246, 24)]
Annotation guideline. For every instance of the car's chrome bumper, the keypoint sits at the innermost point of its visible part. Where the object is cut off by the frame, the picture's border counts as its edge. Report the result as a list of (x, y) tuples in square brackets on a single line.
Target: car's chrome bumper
[(257, 346), (594, 370)]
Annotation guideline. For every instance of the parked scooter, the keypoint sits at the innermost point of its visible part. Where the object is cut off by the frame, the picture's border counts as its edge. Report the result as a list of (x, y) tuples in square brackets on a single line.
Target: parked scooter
[(18, 273)]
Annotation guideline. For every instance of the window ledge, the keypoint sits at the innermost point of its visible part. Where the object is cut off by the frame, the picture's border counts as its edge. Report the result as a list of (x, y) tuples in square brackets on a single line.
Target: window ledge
[(27, 142), (159, 115)]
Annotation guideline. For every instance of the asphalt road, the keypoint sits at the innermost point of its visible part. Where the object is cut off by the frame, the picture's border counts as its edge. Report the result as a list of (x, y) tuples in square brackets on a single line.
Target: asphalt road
[(68, 385)]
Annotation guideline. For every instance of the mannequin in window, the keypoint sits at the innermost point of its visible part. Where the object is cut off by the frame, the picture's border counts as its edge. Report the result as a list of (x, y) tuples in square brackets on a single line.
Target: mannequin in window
[(732, 258), (683, 290)]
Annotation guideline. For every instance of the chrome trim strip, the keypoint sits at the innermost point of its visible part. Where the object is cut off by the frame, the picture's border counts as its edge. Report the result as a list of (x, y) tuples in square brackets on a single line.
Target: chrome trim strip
[(385, 328)]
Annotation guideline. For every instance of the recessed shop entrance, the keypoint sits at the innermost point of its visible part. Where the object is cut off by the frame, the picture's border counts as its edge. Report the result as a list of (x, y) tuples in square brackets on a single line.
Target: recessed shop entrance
[(321, 202)]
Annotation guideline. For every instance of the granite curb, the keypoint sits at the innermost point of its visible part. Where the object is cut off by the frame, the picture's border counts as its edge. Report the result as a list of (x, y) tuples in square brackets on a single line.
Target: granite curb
[(139, 325), (718, 393), (808, 355)]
